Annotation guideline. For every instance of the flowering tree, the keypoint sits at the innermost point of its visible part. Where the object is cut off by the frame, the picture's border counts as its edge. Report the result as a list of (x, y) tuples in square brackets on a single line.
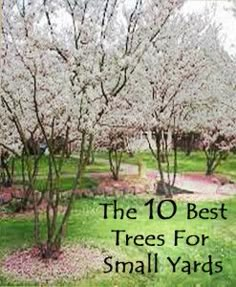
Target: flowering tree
[(234, 6), (115, 134), (106, 73), (58, 80), (115, 141), (218, 111), (41, 103), (178, 71)]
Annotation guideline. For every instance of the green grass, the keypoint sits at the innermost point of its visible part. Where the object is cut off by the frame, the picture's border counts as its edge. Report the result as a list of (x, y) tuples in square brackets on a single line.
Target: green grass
[(69, 167), (196, 162), (67, 177), (86, 226), (67, 183), (193, 163)]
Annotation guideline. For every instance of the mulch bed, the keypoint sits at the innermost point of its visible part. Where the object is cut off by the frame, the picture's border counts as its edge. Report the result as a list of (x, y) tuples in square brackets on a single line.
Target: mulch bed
[(10, 193), (129, 184), (215, 178), (74, 263)]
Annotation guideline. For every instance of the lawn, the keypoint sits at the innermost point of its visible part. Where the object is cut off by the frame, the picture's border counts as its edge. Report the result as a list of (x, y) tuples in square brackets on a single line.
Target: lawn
[(65, 183), (195, 162), (86, 226), (68, 168), (67, 174)]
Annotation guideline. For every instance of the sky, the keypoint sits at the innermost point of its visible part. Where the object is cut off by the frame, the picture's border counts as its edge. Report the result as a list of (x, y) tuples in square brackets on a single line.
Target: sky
[(223, 16)]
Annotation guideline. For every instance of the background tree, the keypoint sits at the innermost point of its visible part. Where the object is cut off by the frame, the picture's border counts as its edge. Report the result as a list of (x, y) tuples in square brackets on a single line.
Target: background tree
[(181, 68)]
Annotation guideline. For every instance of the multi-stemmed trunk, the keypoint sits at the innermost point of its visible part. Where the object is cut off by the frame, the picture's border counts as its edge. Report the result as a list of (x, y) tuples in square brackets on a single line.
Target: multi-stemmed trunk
[(167, 172), (115, 158), (213, 159), (56, 225)]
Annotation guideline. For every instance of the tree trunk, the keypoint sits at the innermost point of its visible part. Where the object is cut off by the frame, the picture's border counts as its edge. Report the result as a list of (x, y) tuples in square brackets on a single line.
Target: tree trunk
[(213, 159), (209, 170), (165, 184), (115, 163)]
